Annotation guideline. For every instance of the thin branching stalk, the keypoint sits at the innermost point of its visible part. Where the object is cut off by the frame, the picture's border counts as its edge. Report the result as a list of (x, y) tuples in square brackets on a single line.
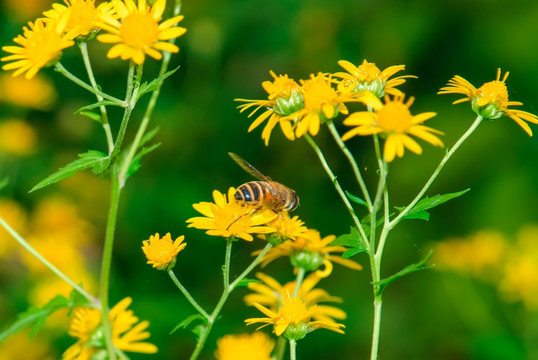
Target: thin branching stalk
[(62, 70), (186, 293), (293, 348), (352, 162), (45, 262), (339, 189), (104, 115), (228, 288), (299, 281)]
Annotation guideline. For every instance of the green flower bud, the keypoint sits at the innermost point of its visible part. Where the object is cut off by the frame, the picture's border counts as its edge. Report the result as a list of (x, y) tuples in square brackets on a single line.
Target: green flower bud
[(307, 260), (488, 111), (296, 332), (287, 106)]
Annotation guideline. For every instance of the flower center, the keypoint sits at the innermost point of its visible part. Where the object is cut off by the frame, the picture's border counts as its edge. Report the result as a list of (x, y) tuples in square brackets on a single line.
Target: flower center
[(293, 311), (492, 92), (395, 117), (139, 30), (44, 47), (367, 72), (318, 91), (83, 13)]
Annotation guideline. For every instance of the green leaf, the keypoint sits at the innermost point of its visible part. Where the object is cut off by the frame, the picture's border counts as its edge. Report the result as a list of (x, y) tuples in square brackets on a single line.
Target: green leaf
[(91, 159), (405, 271), (246, 281), (92, 115), (136, 162), (96, 105), (356, 199), (429, 203), (185, 323), (351, 240), (154, 84), (148, 136), (35, 317)]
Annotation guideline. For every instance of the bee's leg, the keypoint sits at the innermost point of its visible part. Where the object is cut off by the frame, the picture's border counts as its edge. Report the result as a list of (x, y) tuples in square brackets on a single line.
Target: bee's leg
[(248, 213)]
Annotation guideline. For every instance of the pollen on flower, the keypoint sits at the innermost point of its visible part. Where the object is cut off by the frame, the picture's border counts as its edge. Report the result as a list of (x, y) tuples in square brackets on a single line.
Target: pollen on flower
[(161, 252)]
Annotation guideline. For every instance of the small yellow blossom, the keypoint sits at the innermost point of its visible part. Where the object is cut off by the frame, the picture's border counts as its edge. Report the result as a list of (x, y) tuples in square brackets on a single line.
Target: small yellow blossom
[(17, 138), (139, 31), (41, 45), (127, 332), (35, 93), (284, 99), (285, 228), (82, 15), (293, 319), (394, 120), (227, 217), (367, 76), (309, 251), (256, 346), (490, 100), (269, 293), (161, 252)]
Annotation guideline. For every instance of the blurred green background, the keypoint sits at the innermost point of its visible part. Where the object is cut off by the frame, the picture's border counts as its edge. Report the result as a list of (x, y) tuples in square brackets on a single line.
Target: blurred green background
[(227, 52)]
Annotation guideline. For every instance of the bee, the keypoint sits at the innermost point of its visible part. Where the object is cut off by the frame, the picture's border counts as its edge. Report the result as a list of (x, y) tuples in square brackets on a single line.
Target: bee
[(265, 192)]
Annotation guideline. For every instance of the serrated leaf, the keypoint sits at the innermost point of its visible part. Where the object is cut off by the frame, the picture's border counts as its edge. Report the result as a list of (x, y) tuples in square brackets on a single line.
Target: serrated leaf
[(35, 317), (96, 105), (92, 115), (154, 84), (148, 136), (185, 323), (429, 203), (405, 271), (356, 199), (244, 282), (421, 215), (91, 159), (351, 240)]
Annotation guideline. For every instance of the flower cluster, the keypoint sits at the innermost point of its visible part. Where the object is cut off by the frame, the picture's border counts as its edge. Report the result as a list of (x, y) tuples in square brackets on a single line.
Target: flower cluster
[(301, 108), (135, 30)]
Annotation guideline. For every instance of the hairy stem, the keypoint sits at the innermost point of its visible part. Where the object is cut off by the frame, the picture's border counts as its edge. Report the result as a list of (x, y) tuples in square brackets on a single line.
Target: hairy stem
[(185, 292)]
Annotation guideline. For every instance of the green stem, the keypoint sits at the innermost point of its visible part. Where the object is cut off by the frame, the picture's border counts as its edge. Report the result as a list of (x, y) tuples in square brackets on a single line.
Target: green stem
[(377, 327), (341, 192), (228, 288), (293, 346), (45, 262), (62, 70), (107, 259), (447, 156), (187, 294), (352, 162), (280, 348), (299, 281), (104, 116)]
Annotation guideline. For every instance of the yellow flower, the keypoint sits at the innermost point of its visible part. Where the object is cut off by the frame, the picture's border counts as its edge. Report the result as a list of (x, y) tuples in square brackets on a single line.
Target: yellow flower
[(395, 121), (82, 15), (256, 346), (490, 100), (161, 252), (127, 332), (40, 46), (293, 319), (138, 31), (17, 138), (285, 228), (367, 76), (322, 103), (227, 217), (33, 348), (284, 99), (269, 293), (310, 251), (37, 93)]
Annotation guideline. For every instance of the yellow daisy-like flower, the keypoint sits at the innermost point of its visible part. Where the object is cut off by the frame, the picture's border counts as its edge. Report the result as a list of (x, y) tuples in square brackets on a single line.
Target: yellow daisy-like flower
[(256, 346), (367, 76), (127, 332), (490, 100), (41, 45), (395, 121), (322, 103), (285, 228), (310, 251), (82, 15), (227, 217), (284, 99), (293, 319), (139, 31), (17, 137), (161, 252), (36, 93), (269, 293)]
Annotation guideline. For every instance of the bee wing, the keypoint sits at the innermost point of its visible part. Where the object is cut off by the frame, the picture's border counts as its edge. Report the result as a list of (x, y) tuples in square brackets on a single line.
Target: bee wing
[(249, 168)]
